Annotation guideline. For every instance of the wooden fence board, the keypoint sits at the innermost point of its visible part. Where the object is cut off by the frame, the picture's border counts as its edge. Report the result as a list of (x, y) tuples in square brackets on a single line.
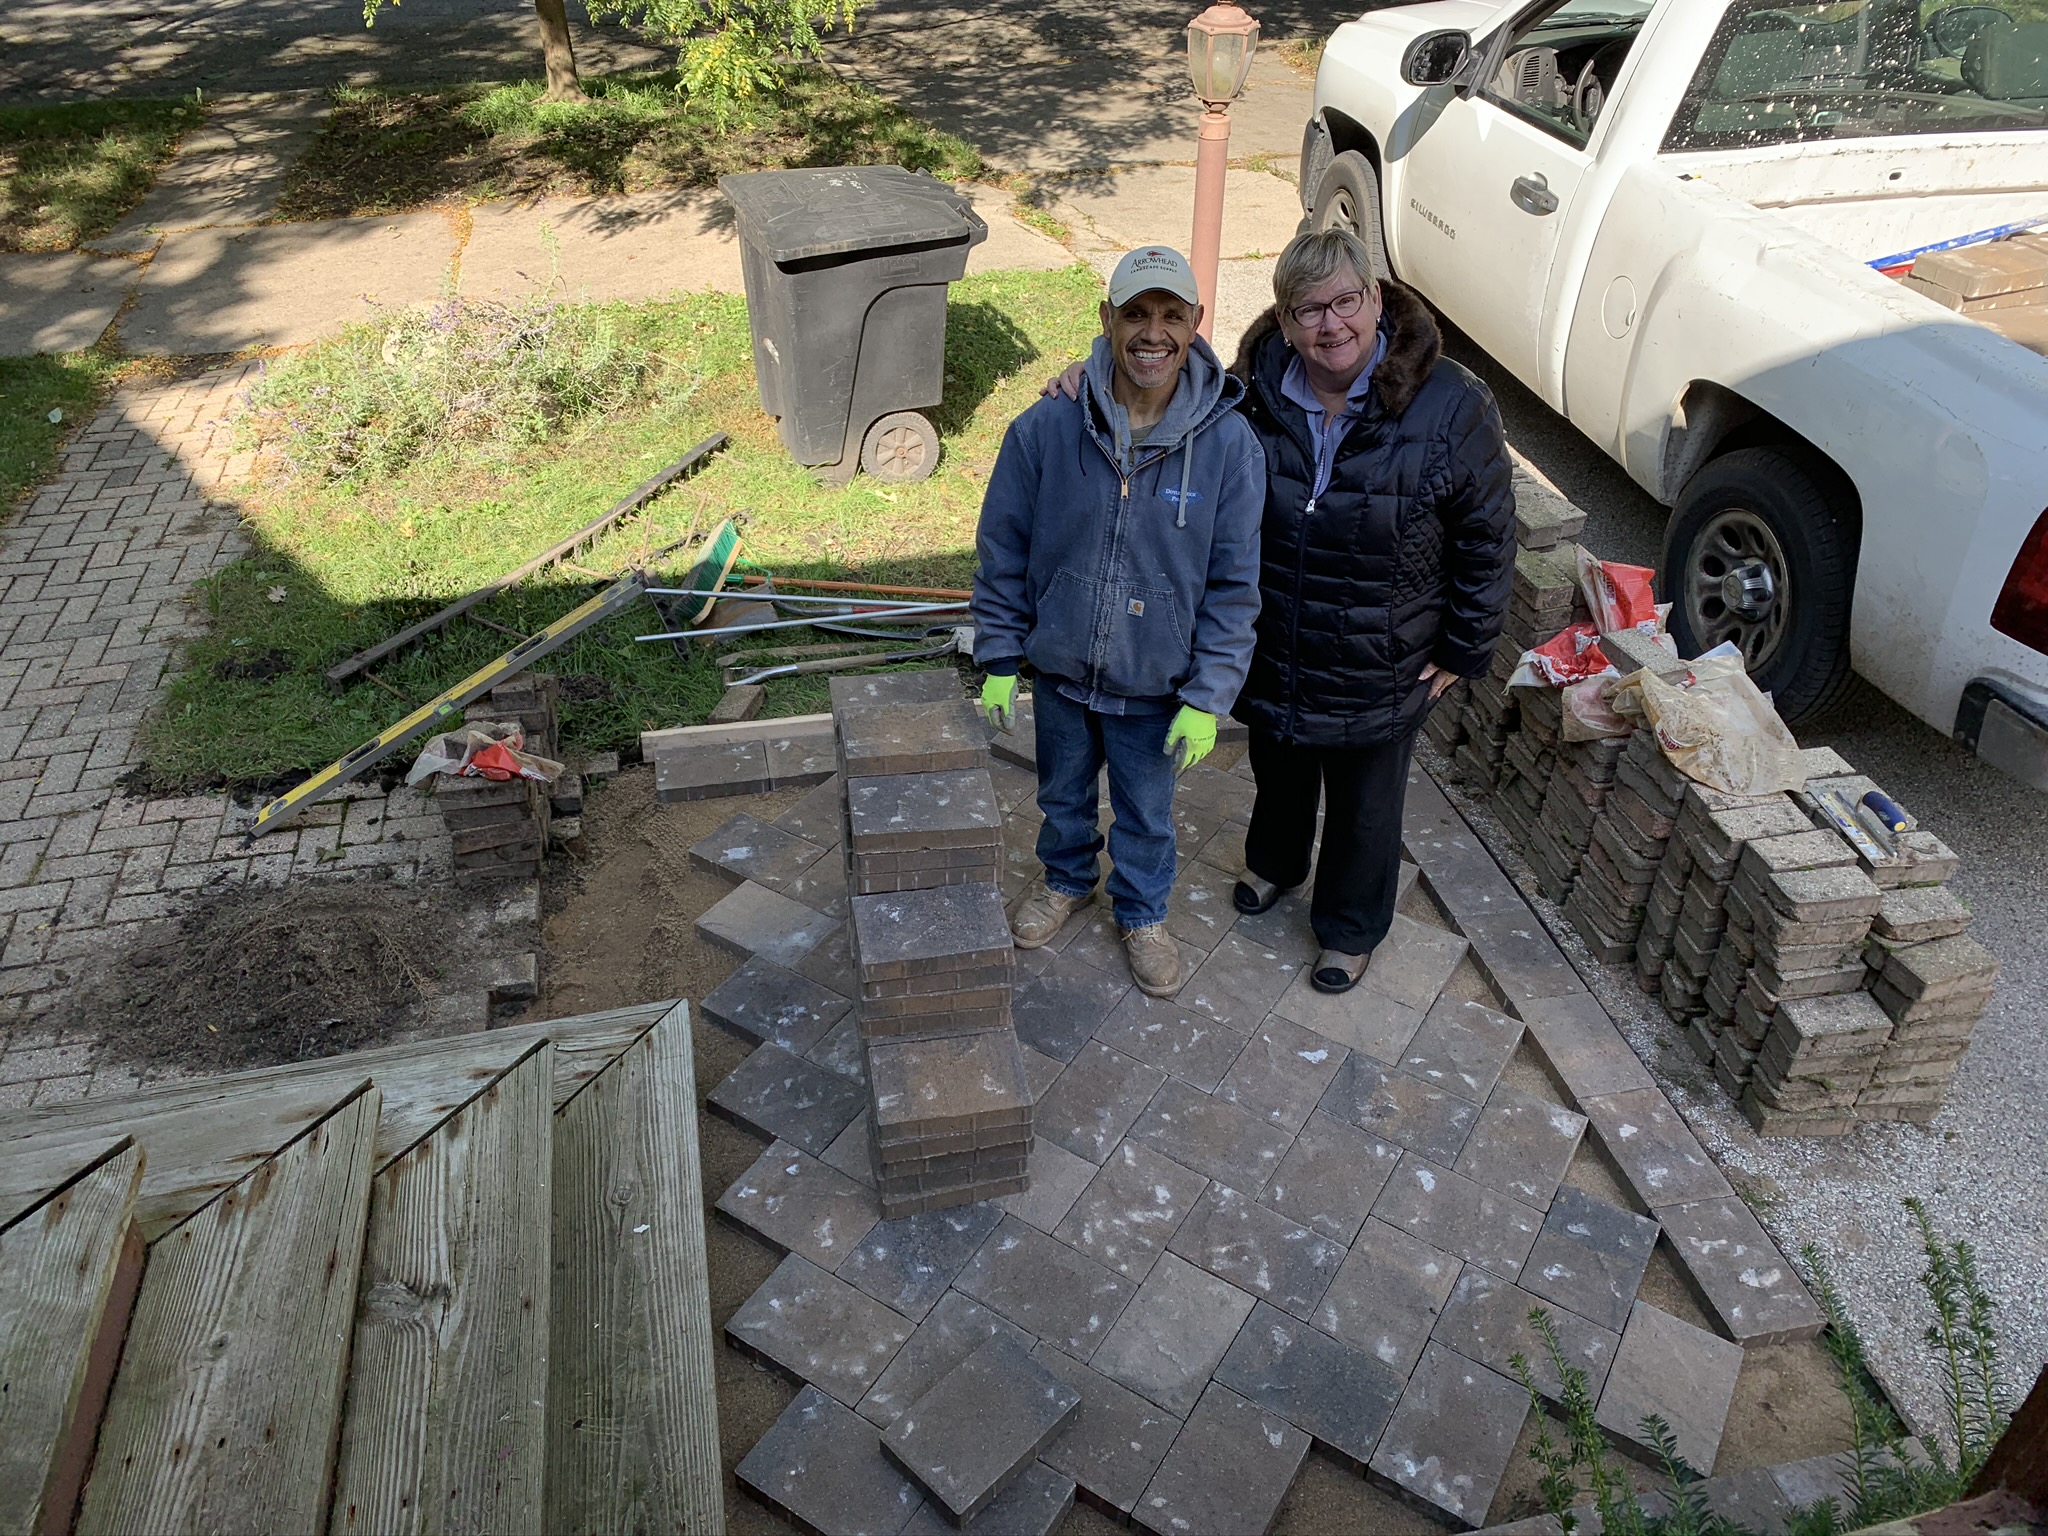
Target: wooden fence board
[(203, 1135), (224, 1413), (632, 1419), (67, 1274), (445, 1430)]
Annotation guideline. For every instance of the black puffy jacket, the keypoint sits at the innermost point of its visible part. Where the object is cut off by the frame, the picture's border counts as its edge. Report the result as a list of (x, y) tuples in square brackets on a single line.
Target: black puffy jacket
[(1408, 557)]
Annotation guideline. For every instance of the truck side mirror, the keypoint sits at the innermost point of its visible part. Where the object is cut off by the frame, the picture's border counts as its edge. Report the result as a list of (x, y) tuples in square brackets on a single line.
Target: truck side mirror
[(1435, 57)]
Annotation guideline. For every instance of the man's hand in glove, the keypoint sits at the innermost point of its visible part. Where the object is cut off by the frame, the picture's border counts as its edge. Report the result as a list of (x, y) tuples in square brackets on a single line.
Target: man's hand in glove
[(999, 701), (1193, 733)]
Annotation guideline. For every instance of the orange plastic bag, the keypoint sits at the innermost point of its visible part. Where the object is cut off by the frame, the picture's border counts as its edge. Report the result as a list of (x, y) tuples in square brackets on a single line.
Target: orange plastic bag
[(1619, 596)]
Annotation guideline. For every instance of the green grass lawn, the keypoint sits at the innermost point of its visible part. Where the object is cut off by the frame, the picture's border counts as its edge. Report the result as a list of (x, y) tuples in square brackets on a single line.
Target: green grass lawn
[(384, 151), (340, 565), (30, 389), (68, 173)]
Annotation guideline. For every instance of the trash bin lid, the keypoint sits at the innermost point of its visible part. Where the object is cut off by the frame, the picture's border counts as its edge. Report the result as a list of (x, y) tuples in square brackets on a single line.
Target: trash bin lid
[(835, 209)]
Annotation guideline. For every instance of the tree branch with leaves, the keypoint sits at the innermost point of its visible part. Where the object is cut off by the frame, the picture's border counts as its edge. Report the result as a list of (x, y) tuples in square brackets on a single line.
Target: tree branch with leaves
[(731, 50)]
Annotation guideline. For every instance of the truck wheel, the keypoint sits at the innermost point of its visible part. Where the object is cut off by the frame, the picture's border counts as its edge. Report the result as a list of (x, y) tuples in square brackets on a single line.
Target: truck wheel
[(903, 445), (1348, 197), (1761, 550)]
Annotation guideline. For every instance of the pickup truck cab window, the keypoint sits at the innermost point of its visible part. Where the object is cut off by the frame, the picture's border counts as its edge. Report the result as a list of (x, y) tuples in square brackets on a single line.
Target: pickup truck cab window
[(1559, 65), (1789, 73)]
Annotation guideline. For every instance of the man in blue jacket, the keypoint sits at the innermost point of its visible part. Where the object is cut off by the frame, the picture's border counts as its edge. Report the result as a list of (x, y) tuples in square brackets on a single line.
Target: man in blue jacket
[(1119, 560)]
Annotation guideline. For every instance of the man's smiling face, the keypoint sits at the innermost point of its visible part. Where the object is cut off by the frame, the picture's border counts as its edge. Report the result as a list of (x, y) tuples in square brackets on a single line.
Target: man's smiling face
[(1149, 336)]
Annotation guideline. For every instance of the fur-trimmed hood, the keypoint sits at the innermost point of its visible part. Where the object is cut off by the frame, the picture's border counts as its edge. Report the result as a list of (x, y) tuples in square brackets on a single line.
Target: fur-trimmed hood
[(1413, 346)]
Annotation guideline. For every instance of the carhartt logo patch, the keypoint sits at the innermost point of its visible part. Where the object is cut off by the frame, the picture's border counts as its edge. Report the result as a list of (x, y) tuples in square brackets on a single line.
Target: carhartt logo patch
[(1137, 608)]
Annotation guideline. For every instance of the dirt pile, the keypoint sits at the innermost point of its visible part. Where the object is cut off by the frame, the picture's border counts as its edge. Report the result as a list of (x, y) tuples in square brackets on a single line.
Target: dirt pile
[(254, 977)]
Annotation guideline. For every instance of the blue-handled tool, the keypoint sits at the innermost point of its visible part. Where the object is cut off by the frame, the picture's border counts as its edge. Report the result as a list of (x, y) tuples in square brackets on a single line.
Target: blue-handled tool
[(1886, 809)]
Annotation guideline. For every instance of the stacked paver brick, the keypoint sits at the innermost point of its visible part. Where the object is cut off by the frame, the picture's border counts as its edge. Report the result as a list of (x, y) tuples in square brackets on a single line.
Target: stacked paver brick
[(1540, 604), (500, 829), (1822, 986), (1778, 951), (1931, 979), (950, 1107)]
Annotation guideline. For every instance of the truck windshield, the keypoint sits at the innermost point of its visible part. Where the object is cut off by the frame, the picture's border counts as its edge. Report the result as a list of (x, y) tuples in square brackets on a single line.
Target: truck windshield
[(1779, 73)]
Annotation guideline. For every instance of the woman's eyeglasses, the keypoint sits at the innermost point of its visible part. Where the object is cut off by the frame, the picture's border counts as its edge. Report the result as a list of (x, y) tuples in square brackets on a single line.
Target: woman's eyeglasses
[(1344, 306)]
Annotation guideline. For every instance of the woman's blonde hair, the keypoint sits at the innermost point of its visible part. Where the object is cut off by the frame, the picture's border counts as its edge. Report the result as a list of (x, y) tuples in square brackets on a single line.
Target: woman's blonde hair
[(1315, 258)]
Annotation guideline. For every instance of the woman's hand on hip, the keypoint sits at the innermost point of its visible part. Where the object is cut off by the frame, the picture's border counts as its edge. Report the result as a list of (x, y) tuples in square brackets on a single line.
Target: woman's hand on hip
[(1438, 679)]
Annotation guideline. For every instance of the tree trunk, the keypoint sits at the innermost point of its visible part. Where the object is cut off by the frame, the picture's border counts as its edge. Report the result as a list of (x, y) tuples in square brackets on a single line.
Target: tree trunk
[(557, 51)]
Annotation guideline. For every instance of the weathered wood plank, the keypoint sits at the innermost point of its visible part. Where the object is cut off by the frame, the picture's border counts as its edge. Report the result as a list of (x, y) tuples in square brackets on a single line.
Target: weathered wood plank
[(632, 1419), (203, 1135), (445, 1429), (224, 1413), (24, 1186), (67, 1278)]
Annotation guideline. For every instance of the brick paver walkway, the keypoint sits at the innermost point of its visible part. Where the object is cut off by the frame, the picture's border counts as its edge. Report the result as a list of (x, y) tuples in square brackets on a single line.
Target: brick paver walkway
[(96, 577), (1259, 1216)]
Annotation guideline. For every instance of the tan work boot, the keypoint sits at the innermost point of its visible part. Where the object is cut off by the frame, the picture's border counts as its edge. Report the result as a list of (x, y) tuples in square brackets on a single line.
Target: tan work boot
[(1041, 914), (1155, 959)]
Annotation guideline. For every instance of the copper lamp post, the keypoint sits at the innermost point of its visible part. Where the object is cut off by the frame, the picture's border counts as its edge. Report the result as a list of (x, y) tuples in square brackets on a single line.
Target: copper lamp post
[(1220, 45)]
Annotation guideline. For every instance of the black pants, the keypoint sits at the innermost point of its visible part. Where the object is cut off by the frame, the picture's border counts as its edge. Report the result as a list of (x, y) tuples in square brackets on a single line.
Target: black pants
[(1359, 870)]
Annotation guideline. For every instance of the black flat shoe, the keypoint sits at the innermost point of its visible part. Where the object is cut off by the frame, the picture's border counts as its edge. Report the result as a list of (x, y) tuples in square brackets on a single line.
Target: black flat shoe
[(1245, 897), (1340, 976)]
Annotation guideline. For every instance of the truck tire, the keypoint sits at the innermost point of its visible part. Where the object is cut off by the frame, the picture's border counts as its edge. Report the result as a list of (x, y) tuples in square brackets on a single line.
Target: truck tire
[(1761, 550), (1348, 197)]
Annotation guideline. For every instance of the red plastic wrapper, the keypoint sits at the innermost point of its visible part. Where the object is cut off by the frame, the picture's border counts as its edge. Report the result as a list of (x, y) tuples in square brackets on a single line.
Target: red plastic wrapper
[(1569, 656), (1619, 596), (497, 762)]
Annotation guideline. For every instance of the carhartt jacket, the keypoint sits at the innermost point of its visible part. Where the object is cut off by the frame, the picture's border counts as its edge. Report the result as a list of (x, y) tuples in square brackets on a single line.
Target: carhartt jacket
[(1132, 571)]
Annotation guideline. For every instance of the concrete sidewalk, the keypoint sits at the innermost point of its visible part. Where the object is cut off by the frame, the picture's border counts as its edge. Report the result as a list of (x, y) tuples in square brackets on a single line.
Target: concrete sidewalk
[(206, 277)]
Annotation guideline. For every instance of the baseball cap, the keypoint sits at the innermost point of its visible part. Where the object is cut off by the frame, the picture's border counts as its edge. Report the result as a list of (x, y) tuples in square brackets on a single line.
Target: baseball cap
[(1150, 267)]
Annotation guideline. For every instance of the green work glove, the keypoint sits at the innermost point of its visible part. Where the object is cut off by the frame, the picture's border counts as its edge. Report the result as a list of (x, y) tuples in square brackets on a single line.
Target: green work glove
[(999, 700), (1194, 733)]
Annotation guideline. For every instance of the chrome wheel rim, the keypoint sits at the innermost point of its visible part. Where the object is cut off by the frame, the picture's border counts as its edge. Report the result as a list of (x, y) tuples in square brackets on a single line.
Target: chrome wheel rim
[(1342, 212), (1737, 587)]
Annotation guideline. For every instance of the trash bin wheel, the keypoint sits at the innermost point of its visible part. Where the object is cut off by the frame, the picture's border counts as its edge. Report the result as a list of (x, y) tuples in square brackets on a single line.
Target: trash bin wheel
[(903, 445)]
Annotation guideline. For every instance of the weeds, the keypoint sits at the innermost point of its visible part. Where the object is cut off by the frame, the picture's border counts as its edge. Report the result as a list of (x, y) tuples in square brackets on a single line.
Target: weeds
[(1304, 53), (1889, 1477), (462, 373)]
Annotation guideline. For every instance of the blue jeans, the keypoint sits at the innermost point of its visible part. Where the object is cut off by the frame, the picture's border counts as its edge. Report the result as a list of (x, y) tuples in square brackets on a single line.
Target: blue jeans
[(1073, 744)]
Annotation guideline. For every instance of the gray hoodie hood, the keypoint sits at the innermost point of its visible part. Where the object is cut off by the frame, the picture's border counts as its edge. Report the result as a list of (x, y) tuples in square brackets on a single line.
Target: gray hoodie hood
[(1204, 393)]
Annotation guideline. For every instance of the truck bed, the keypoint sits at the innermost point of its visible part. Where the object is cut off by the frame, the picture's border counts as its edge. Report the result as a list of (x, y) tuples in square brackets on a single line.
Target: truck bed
[(2002, 284)]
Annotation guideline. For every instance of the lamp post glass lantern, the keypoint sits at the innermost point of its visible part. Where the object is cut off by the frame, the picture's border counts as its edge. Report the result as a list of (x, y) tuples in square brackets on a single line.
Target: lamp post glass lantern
[(1220, 45)]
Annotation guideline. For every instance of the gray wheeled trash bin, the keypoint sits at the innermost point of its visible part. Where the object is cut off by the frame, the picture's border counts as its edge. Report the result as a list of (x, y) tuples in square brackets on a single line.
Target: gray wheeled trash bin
[(846, 271)]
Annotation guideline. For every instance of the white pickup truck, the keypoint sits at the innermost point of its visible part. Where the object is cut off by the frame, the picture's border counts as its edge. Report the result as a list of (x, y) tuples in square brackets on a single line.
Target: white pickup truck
[(1661, 217)]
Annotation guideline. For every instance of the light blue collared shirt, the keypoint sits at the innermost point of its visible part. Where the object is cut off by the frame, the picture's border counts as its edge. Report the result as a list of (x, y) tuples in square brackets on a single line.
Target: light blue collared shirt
[(1329, 435)]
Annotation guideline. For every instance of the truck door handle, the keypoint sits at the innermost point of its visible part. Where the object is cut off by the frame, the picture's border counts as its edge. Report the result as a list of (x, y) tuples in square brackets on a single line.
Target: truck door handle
[(1532, 194)]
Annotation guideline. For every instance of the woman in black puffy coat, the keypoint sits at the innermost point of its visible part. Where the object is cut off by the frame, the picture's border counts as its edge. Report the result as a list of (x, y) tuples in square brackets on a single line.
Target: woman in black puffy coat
[(1387, 554)]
